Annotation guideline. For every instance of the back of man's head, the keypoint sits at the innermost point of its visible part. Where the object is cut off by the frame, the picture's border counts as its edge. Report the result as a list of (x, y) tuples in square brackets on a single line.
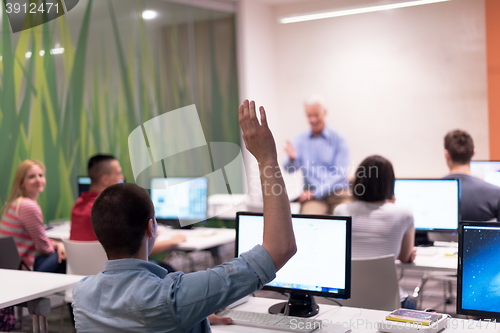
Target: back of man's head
[(460, 146), (120, 216), (99, 165)]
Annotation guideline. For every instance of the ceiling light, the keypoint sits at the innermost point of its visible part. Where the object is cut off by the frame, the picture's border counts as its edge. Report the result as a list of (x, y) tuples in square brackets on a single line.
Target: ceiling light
[(57, 50), (42, 52), (28, 54), (149, 14), (337, 13)]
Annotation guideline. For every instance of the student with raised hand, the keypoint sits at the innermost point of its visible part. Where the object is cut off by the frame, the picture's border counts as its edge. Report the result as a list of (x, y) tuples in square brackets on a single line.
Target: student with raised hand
[(132, 295), (379, 227), (22, 219)]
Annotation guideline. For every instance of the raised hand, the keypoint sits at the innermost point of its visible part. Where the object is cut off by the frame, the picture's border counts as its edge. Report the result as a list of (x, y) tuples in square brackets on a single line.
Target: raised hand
[(290, 150), (257, 136)]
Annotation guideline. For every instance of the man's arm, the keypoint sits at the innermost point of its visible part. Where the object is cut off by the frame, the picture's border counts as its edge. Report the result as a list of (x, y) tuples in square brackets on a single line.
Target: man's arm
[(279, 240), (199, 294)]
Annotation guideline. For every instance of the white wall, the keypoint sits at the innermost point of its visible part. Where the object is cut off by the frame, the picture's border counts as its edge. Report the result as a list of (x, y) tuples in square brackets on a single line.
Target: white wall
[(394, 81), (257, 70)]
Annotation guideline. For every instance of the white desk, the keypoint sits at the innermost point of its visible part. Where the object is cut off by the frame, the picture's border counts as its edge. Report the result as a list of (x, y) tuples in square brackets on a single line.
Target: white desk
[(440, 257), (22, 286), (358, 320), (18, 287), (196, 239), (199, 238)]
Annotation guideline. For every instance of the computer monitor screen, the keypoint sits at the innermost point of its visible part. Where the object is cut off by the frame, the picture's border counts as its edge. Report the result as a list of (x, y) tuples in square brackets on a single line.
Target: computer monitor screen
[(433, 202), (83, 184), (322, 264), (489, 171), (183, 199), (478, 289)]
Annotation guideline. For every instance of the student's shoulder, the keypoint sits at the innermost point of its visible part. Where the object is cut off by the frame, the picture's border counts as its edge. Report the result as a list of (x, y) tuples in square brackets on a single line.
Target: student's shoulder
[(470, 182), (343, 209), (397, 210), (29, 204), (84, 283)]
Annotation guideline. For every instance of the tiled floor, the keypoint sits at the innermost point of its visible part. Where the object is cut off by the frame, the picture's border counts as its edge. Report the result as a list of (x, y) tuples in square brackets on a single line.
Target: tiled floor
[(433, 296)]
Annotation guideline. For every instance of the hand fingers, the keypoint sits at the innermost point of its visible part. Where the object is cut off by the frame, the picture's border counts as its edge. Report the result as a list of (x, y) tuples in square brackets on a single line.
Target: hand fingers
[(263, 117), (253, 114), (214, 319), (242, 110)]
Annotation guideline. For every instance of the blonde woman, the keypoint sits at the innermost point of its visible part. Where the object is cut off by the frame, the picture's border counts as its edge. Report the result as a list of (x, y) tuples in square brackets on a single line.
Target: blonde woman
[(22, 219)]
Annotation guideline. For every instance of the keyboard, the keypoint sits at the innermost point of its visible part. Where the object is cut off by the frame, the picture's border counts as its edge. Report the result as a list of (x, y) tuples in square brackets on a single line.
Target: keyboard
[(272, 321)]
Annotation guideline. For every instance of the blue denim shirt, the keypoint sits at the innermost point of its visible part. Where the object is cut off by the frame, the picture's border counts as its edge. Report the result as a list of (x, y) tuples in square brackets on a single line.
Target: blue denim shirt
[(324, 161), (133, 295)]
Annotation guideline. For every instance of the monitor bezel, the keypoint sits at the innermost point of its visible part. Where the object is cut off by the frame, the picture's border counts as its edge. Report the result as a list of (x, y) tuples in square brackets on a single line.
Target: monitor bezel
[(78, 185), (481, 161), (174, 221), (459, 198), (348, 250), (460, 309)]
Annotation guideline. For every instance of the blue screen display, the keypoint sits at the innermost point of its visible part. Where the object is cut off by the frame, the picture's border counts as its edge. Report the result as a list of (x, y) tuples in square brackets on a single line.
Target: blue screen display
[(481, 268)]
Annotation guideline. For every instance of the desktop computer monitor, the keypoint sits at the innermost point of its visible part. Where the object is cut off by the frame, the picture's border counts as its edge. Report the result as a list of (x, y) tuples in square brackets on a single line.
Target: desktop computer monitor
[(489, 171), (180, 201), (83, 184), (478, 288), (321, 266), (435, 204)]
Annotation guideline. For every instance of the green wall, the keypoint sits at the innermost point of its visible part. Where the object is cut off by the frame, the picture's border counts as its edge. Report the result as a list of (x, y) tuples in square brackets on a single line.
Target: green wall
[(117, 71)]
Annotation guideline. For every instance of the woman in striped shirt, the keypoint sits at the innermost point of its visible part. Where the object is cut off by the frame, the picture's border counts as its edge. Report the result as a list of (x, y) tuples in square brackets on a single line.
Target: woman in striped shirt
[(379, 227), (22, 219)]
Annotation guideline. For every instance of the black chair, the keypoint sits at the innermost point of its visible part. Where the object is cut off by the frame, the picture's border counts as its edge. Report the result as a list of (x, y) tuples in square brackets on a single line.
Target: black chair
[(9, 257)]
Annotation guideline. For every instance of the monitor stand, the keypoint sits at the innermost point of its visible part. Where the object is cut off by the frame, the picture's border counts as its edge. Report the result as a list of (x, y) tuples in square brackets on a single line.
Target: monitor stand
[(298, 305), (422, 238)]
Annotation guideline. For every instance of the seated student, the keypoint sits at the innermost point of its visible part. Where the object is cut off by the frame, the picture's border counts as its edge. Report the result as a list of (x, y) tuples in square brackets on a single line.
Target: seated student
[(104, 171), (132, 295), (379, 227), (22, 218), (480, 200)]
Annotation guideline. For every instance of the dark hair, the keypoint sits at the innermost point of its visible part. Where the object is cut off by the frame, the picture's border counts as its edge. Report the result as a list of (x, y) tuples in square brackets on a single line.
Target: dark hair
[(374, 179), (99, 165), (120, 215), (459, 145)]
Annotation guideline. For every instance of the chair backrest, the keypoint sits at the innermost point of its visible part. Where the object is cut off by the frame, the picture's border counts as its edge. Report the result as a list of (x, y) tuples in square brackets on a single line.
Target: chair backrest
[(374, 284), (84, 258), (9, 256)]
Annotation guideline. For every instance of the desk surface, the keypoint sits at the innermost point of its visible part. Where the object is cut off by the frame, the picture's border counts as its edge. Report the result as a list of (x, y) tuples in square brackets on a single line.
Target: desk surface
[(358, 320), (199, 238), (441, 257), (22, 286), (196, 239)]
